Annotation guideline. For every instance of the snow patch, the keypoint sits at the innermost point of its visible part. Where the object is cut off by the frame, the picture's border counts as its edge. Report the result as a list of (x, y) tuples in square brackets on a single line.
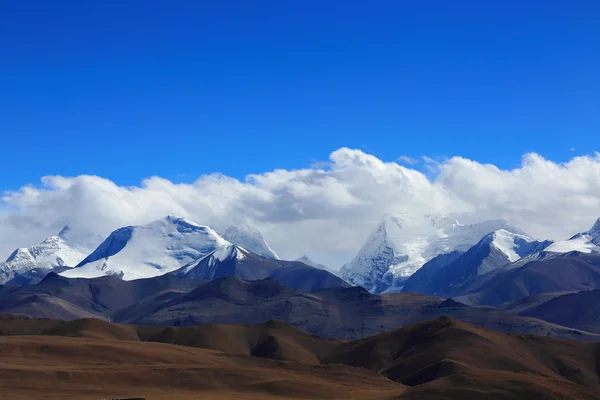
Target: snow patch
[(506, 242), (582, 244), (585, 242)]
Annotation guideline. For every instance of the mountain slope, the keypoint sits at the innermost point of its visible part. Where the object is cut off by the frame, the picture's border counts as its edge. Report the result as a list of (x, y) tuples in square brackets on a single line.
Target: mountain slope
[(461, 272), (305, 260), (269, 361), (423, 280), (585, 242), (150, 250), (250, 239), (565, 273), (401, 244), (345, 313), (61, 252), (234, 261), (435, 359), (579, 310), (59, 297), (430, 351)]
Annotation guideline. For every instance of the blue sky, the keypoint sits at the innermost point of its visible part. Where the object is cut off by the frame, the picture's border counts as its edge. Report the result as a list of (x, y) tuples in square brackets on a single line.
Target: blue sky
[(130, 89)]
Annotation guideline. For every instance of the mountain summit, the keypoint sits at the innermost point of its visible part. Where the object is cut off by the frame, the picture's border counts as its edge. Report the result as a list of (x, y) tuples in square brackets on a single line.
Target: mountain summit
[(249, 238), (145, 251), (233, 261), (62, 251), (401, 244)]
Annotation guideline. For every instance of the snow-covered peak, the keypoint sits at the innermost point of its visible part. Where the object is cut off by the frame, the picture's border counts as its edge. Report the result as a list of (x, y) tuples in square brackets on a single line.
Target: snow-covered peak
[(456, 273), (226, 252), (145, 251), (78, 239), (66, 249), (512, 245), (250, 238), (585, 242), (65, 232), (53, 251), (595, 231), (175, 221), (401, 244)]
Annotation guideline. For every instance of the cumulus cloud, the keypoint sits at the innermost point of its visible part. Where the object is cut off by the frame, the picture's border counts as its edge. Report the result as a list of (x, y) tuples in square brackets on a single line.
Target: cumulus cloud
[(325, 210)]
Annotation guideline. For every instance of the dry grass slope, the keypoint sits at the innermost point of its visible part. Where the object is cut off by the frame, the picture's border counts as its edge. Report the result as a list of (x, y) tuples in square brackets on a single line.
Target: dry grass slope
[(438, 359)]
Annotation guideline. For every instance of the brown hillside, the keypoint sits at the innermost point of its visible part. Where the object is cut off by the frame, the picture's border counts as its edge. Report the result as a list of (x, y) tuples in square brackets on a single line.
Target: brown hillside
[(438, 359), (428, 351), (274, 339), (42, 367)]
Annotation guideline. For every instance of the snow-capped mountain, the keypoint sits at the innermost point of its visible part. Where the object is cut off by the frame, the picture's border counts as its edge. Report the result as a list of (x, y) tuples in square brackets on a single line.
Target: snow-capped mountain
[(305, 260), (585, 242), (507, 247), (456, 277), (249, 238), (401, 244), (233, 261), (135, 252), (218, 263), (63, 251)]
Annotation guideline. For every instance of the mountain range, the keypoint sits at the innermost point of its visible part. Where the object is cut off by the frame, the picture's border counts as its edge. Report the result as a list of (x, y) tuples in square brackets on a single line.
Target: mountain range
[(336, 312), (401, 244), (491, 263), (233, 261), (137, 252)]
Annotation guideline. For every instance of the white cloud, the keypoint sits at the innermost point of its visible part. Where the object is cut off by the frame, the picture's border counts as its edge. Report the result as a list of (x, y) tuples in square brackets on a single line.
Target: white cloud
[(325, 211), (407, 160)]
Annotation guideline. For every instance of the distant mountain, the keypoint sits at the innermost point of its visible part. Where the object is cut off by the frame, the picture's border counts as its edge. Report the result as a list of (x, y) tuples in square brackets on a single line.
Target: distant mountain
[(59, 252), (579, 310), (135, 252), (305, 260), (428, 276), (585, 242), (59, 297), (401, 244), (460, 272), (565, 273), (250, 239), (335, 312), (529, 302), (234, 261)]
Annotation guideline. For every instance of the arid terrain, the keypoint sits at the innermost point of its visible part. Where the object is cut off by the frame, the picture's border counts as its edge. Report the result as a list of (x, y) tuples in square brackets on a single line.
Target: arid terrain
[(438, 359)]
